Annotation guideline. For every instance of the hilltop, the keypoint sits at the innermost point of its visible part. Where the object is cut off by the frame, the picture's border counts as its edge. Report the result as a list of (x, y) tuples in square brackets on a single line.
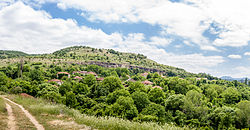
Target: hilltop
[(101, 57), (11, 54)]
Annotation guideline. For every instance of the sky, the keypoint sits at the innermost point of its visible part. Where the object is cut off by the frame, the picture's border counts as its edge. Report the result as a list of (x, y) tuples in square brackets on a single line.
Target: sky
[(210, 36)]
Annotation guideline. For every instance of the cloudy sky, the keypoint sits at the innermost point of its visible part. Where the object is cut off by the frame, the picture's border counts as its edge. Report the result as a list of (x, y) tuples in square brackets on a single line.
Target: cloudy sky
[(210, 36)]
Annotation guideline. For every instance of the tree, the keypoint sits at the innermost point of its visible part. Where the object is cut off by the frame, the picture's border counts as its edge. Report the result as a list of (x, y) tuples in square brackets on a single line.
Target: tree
[(71, 99), (136, 86), (124, 108), (231, 95), (64, 88), (195, 104), (175, 102), (3, 79), (89, 80), (112, 83), (156, 95), (80, 88), (140, 100), (155, 110), (243, 114), (50, 92), (222, 117), (112, 97), (36, 74)]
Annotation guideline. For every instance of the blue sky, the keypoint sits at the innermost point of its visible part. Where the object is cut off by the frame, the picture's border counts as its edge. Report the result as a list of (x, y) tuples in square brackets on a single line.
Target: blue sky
[(208, 36)]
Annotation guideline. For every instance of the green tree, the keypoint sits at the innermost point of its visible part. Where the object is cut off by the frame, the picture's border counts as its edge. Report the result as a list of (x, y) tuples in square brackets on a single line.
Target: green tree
[(112, 97), (89, 80), (231, 95), (112, 83), (140, 100), (124, 108), (155, 110), (156, 95), (80, 88), (71, 99)]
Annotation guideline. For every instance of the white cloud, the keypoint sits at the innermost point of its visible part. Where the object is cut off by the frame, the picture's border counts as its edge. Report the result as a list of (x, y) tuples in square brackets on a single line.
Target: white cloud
[(247, 53), (188, 19), (234, 56), (241, 71), (25, 29), (159, 41)]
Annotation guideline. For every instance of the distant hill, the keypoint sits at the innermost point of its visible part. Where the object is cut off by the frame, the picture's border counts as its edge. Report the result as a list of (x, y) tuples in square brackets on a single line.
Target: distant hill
[(11, 54), (104, 57), (229, 78)]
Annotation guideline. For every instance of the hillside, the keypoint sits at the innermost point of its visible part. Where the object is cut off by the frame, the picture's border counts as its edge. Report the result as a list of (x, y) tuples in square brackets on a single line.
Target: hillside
[(116, 94), (11, 54), (105, 58)]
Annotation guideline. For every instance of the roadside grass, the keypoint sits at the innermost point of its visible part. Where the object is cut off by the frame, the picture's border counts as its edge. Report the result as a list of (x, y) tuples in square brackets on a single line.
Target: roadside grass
[(45, 112), (3, 114)]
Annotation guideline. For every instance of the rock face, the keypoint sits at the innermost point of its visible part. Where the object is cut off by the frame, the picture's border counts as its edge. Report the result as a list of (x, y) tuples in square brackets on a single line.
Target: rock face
[(115, 65)]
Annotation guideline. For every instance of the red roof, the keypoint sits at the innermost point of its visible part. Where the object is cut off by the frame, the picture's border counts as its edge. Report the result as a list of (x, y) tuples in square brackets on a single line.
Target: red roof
[(157, 87), (100, 79), (92, 73), (144, 74), (77, 77), (131, 80), (62, 73), (147, 82), (80, 72), (54, 80)]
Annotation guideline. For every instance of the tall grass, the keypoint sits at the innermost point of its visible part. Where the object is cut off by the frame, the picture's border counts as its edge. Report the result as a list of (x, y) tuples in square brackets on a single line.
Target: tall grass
[(2, 106), (40, 106)]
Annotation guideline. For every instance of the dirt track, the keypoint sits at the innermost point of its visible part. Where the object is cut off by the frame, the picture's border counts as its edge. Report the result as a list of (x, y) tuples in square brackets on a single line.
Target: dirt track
[(11, 122)]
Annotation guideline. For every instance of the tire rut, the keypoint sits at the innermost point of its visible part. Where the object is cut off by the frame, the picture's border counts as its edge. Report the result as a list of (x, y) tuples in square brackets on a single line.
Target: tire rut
[(31, 118)]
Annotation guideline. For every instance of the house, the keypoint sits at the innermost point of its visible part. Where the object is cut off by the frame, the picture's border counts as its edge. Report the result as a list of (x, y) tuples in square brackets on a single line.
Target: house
[(59, 82), (100, 79), (144, 74), (93, 73), (157, 87), (130, 80), (147, 82), (78, 78), (80, 72), (66, 73)]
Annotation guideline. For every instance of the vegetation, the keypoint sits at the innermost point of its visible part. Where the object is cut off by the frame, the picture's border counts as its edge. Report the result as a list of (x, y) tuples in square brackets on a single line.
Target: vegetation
[(41, 108), (130, 94), (11, 54)]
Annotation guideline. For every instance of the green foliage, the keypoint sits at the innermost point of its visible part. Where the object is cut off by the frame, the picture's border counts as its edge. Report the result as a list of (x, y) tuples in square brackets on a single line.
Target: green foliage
[(175, 102), (80, 88), (50, 92), (71, 99), (140, 100), (89, 80), (231, 95), (156, 95), (112, 83), (136, 86), (124, 108), (112, 97), (155, 110)]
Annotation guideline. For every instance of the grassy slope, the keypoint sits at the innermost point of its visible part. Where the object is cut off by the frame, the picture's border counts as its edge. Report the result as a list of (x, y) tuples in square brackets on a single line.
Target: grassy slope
[(3, 114), (11, 54), (86, 54), (45, 112)]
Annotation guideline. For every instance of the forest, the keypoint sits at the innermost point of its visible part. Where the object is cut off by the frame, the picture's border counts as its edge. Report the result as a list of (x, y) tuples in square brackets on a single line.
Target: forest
[(133, 94)]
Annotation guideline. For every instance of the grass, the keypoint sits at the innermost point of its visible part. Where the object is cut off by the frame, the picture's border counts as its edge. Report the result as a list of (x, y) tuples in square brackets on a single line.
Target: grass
[(22, 122), (39, 107), (3, 114)]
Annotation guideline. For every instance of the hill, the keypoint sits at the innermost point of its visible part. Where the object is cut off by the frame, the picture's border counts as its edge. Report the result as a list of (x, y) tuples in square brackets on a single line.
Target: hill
[(105, 58), (11, 54)]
